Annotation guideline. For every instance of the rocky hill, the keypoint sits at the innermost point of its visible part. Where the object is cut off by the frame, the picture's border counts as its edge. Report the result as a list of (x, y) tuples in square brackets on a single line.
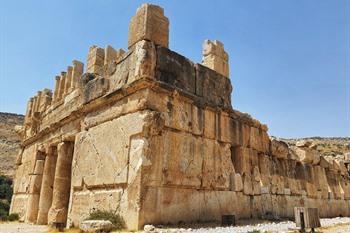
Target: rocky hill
[(332, 146), (9, 142)]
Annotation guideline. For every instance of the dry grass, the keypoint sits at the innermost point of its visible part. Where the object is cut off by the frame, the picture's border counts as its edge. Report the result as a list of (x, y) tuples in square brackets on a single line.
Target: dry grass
[(338, 227), (71, 230)]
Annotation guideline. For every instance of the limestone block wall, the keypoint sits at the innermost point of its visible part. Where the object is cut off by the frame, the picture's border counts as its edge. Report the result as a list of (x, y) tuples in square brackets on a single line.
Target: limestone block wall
[(152, 135)]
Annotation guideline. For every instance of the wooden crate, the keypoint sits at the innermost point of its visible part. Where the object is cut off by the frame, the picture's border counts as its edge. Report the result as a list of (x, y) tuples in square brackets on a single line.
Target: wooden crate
[(306, 217)]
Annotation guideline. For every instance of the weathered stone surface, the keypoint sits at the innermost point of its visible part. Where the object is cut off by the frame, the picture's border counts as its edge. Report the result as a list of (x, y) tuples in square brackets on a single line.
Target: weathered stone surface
[(236, 182), (84, 202), (175, 70), (45, 200), (95, 60), (92, 87), (101, 153), (279, 149), (207, 81), (112, 55), (61, 188), (149, 23), (307, 155), (95, 226), (215, 57), (152, 135)]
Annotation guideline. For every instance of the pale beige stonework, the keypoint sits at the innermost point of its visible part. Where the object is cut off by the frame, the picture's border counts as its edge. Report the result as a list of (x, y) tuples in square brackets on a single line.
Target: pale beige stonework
[(150, 24), (153, 135), (215, 57)]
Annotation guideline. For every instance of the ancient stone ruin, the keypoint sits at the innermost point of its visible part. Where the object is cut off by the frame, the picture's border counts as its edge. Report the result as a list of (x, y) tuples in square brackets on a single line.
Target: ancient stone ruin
[(154, 135)]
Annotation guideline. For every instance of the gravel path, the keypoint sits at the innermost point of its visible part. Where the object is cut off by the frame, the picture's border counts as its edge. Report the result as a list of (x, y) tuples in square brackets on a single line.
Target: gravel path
[(272, 227), (22, 228)]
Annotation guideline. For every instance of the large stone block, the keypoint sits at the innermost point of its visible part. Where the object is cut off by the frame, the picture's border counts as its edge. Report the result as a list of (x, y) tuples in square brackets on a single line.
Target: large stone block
[(241, 158), (259, 140), (92, 87), (175, 70), (217, 165), (95, 60), (85, 202), (142, 62), (22, 177), (210, 124), (229, 130), (179, 114), (320, 178), (19, 205), (236, 182), (247, 184), (213, 87), (279, 149), (101, 153), (174, 205), (149, 23), (307, 155), (183, 160), (35, 184), (245, 135), (197, 122)]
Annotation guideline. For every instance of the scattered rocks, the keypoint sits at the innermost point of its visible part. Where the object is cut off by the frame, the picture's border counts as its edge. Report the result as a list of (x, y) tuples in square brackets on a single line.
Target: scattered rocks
[(148, 228)]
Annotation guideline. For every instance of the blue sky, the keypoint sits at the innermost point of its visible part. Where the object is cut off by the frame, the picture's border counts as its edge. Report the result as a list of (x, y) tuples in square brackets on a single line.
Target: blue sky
[(289, 60)]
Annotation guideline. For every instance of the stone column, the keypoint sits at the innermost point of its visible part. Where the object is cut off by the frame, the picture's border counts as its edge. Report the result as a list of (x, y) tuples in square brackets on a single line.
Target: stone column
[(61, 187), (29, 111), (34, 191), (35, 101), (45, 99), (37, 104), (95, 60), (62, 85), (57, 89), (68, 80), (29, 107), (78, 69), (45, 200)]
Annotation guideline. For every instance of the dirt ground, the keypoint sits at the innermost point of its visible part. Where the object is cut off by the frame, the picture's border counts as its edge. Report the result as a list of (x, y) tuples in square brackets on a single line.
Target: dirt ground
[(17, 227)]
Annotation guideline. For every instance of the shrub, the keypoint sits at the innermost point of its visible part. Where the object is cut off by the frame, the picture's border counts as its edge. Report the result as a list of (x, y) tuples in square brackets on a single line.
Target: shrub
[(112, 216), (5, 188), (3, 215), (13, 217), (4, 209)]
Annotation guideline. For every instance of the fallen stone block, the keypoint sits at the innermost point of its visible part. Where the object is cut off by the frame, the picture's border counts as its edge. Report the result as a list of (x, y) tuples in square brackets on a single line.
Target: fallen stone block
[(96, 226)]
